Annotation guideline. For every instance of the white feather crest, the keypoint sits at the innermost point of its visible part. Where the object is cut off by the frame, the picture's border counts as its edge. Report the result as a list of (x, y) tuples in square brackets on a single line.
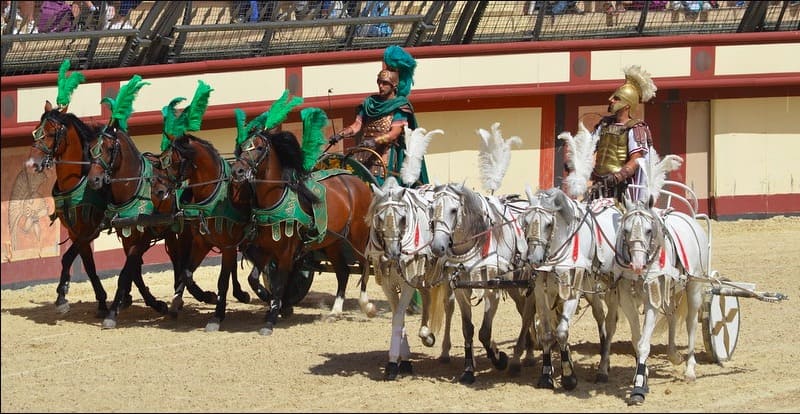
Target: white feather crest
[(416, 146), (655, 170), (643, 81), (580, 159), (494, 156)]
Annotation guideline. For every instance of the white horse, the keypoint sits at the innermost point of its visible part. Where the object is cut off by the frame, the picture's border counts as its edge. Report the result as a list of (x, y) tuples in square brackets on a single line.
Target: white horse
[(482, 246), (561, 248), (662, 259), (399, 249)]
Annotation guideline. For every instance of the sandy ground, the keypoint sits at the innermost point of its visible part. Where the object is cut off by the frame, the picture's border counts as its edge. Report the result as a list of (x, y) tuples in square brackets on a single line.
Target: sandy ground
[(53, 362)]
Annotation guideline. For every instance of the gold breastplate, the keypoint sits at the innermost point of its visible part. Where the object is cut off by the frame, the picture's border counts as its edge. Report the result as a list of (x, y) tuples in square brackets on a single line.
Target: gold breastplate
[(612, 149), (377, 126)]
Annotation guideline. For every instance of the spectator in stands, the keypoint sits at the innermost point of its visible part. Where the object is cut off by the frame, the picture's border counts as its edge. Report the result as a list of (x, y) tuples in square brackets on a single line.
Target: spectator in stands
[(562, 7), (121, 20), (87, 15), (23, 20), (55, 16)]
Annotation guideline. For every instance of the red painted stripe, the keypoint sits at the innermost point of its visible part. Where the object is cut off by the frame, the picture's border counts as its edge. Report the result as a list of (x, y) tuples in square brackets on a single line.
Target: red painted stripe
[(683, 254), (575, 247)]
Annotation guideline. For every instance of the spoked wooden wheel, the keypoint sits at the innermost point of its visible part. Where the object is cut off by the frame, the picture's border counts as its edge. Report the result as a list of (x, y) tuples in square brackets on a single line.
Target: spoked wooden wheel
[(369, 157)]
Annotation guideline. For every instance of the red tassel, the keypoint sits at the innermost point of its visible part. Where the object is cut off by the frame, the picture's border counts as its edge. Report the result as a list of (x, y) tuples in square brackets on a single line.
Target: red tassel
[(487, 244), (416, 236)]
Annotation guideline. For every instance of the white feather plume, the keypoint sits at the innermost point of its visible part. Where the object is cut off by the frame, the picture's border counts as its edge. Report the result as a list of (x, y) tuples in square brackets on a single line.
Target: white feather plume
[(416, 146), (643, 81), (580, 159), (494, 156), (655, 170)]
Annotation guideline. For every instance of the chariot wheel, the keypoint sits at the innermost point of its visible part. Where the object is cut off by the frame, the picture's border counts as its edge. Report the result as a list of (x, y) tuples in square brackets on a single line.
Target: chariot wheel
[(720, 318), (298, 286)]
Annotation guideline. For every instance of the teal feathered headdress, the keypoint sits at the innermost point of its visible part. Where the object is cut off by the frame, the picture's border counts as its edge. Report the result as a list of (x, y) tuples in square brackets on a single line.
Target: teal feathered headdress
[(190, 118), (67, 84), (122, 106), (396, 58), (314, 120), (268, 119)]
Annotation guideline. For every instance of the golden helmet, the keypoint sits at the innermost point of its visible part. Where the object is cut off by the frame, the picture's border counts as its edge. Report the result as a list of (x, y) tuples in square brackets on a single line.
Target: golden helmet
[(389, 75), (638, 87), (628, 94)]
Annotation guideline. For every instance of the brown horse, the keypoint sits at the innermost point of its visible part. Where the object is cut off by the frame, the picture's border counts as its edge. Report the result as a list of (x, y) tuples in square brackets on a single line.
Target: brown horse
[(300, 214), (61, 142), (139, 219), (216, 212)]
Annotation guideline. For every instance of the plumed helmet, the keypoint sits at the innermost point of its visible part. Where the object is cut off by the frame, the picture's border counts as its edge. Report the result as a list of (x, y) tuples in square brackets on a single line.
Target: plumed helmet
[(638, 88), (389, 75)]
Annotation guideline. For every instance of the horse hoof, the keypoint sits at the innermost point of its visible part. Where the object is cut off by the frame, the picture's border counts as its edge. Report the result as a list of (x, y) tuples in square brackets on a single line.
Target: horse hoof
[(675, 358), (636, 399), (101, 313), (601, 378), (529, 362), (406, 368), (287, 311), (514, 370), (467, 378), (161, 307), (569, 383), (444, 359), (244, 298), (62, 308), (392, 369), (213, 325), (502, 361), (109, 323), (332, 318), (267, 330), (429, 340), (545, 382), (370, 310), (126, 302)]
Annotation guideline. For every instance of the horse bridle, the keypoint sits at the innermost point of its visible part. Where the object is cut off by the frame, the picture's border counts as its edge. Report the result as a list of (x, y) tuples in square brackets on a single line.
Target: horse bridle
[(638, 238), (247, 147), (39, 136), (533, 236), (96, 153)]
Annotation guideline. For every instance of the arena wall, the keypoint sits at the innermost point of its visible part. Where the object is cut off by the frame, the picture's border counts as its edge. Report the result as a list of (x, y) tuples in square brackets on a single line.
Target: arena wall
[(728, 104)]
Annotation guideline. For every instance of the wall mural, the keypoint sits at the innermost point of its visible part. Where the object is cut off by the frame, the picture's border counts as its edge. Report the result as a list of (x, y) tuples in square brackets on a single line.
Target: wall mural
[(26, 206)]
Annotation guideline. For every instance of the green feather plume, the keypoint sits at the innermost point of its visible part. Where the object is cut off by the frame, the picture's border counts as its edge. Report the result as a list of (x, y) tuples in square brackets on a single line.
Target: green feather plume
[(168, 112), (270, 118), (241, 131), (280, 109), (67, 84), (122, 106), (314, 120), (396, 57), (190, 119)]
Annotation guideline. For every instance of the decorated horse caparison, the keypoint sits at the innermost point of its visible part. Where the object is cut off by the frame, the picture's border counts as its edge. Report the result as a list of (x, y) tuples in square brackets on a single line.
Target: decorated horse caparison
[(301, 213)]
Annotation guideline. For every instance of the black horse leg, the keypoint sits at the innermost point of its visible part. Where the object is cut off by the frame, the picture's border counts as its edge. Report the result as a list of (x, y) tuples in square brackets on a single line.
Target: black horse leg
[(123, 289), (226, 272), (87, 256), (499, 359), (568, 378), (238, 293), (278, 279), (62, 304), (252, 254)]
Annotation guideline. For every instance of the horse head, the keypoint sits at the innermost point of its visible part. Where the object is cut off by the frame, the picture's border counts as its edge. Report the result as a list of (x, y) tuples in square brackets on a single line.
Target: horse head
[(640, 238), (250, 154), (105, 153), (457, 219), (60, 135)]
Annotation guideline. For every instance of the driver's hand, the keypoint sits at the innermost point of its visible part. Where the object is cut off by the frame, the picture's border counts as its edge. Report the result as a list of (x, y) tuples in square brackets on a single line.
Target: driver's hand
[(335, 138)]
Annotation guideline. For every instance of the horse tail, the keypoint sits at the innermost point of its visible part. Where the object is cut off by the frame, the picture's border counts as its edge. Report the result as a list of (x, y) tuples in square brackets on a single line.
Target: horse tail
[(438, 296), (680, 314)]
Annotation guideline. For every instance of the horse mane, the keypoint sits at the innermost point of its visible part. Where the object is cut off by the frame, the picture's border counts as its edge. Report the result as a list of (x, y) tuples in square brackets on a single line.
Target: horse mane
[(379, 194), (290, 155), (472, 207), (184, 146)]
